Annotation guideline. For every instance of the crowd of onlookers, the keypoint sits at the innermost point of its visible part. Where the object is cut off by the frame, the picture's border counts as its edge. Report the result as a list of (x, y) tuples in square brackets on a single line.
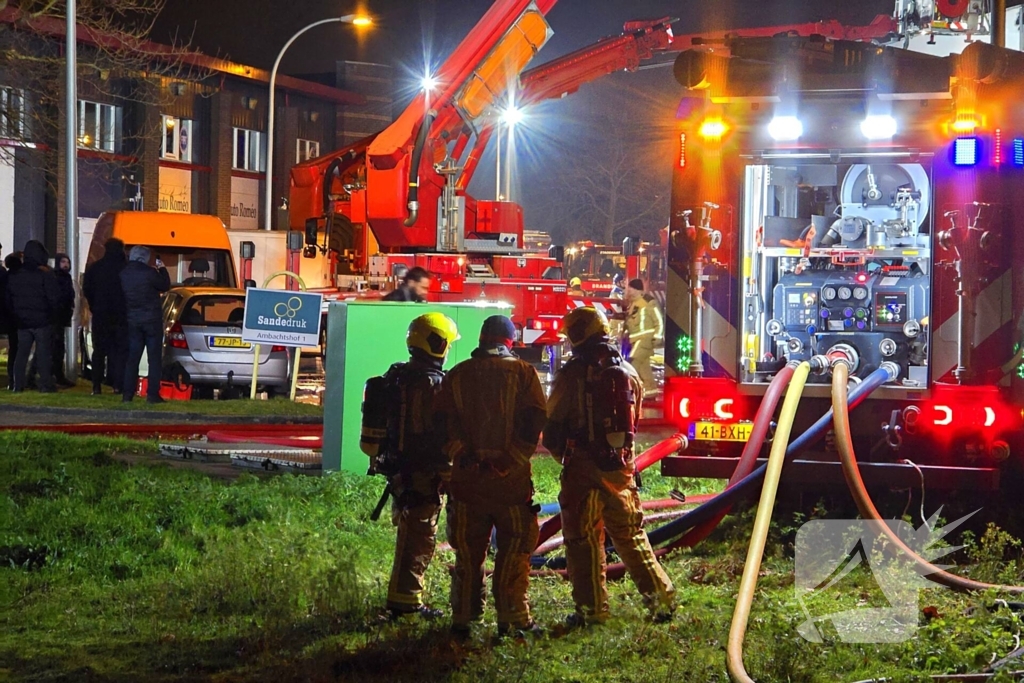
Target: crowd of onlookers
[(37, 305)]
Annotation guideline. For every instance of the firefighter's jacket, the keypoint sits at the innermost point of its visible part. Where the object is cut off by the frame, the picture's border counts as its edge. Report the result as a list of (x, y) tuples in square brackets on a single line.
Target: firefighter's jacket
[(493, 410), (567, 423), (644, 323)]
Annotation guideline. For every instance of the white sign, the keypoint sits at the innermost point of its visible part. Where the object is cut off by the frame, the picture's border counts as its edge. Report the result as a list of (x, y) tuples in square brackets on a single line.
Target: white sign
[(287, 318), (245, 202), (7, 202), (175, 190)]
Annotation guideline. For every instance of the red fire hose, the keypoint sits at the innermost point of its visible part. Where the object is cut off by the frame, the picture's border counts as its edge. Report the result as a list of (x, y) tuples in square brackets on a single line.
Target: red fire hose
[(762, 421)]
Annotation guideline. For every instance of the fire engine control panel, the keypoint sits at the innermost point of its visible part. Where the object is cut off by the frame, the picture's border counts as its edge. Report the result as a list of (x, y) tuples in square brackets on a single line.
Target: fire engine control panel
[(841, 259)]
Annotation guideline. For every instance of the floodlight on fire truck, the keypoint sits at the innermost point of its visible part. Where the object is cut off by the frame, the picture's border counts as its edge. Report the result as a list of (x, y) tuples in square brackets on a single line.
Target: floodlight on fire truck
[(878, 127), (428, 83), (785, 128)]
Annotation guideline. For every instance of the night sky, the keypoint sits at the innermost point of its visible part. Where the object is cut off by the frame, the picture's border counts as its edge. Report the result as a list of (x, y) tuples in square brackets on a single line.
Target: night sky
[(409, 34)]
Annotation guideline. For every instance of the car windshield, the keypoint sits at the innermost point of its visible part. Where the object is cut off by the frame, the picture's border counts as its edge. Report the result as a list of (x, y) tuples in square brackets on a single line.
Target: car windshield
[(198, 267), (214, 311)]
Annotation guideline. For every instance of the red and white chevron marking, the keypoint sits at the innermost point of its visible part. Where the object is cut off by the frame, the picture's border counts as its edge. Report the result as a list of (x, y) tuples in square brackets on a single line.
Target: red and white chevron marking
[(607, 306)]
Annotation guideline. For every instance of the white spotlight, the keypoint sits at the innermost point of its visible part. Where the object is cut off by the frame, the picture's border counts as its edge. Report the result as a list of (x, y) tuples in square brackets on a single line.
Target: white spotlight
[(429, 83), (512, 116), (785, 128), (878, 127)]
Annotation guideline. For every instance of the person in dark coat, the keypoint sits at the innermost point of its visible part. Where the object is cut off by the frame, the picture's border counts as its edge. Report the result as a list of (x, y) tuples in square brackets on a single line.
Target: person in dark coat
[(414, 287), (101, 287), (143, 286), (33, 296), (65, 313), (12, 264)]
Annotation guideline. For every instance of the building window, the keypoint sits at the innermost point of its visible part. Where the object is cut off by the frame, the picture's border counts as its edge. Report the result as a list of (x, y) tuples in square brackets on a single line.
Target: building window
[(306, 150), (12, 113), (177, 143), (248, 150), (97, 126)]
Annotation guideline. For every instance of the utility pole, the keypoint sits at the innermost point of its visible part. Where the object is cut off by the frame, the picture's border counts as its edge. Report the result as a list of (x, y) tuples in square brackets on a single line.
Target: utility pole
[(71, 183)]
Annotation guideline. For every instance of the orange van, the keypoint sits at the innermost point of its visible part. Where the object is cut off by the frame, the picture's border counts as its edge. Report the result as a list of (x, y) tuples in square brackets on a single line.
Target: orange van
[(194, 247)]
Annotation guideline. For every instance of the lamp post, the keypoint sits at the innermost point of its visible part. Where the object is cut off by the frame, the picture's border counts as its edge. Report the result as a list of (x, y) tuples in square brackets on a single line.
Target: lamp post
[(71, 180), (268, 201)]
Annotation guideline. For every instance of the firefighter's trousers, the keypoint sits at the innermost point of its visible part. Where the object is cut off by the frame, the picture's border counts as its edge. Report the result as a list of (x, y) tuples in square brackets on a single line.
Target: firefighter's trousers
[(414, 511), (640, 358), (594, 502), (469, 533)]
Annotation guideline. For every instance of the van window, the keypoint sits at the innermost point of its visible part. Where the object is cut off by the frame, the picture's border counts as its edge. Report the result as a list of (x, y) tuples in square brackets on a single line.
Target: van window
[(198, 267), (214, 311)]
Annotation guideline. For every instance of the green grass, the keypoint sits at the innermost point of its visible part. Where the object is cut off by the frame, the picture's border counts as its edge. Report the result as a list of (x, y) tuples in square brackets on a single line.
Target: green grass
[(130, 573), (80, 398)]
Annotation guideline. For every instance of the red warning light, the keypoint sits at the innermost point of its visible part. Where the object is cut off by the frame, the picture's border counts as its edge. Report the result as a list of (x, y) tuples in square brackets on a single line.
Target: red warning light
[(862, 277)]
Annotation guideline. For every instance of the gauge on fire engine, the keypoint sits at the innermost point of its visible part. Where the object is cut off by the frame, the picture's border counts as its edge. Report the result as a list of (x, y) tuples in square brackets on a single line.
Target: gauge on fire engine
[(860, 293), (845, 293), (829, 293)]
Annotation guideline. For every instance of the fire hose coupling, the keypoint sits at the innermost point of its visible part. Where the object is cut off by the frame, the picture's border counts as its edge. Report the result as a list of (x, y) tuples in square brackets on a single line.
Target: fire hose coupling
[(683, 442), (843, 353), (820, 364), (891, 369)]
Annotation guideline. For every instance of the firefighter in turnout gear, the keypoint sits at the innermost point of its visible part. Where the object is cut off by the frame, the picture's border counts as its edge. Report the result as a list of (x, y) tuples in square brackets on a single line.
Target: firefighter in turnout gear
[(400, 436), (493, 406), (644, 326), (592, 415)]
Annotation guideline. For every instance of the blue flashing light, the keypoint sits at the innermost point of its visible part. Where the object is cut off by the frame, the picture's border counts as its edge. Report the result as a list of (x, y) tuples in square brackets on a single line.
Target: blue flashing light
[(1017, 148), (965, 151)]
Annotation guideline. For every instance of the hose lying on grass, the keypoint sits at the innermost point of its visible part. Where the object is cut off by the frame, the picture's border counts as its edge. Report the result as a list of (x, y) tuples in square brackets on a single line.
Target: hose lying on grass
[(755, 552), (851, 471)]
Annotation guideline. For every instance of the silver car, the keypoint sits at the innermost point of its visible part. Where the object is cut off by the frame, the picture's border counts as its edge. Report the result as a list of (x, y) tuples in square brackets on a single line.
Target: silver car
[(203, 338)]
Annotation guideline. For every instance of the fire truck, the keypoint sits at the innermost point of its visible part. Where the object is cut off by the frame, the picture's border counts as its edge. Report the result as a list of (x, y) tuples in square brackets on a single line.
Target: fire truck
[(855, 202), (596, 265)]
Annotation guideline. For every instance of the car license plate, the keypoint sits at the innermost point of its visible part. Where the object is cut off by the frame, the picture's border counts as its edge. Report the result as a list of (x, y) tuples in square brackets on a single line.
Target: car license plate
[(228, 343), (721, 431)]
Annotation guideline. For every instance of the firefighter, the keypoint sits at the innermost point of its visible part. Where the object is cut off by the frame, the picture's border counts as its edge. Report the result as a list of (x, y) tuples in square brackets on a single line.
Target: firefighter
[(617, 290), (592, 413), (643, 327), (413, 458), (576, 287), (493, 406)]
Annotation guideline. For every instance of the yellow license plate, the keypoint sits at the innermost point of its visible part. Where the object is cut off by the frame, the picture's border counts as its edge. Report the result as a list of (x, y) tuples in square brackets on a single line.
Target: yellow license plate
[(721, 431), (228, 343)]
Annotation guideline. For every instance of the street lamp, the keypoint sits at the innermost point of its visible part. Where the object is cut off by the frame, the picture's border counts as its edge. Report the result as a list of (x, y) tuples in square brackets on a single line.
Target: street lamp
[(268, 203)]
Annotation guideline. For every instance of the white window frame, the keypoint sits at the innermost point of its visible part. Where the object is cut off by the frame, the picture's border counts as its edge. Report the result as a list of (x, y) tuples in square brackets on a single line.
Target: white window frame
[(254, 159), (102, 138), (171, 129), (306, 150), (12, 100)]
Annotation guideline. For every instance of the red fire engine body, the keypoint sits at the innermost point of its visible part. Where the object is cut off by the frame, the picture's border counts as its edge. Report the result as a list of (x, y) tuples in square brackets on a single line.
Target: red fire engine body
[(398, 198), (841, 197)]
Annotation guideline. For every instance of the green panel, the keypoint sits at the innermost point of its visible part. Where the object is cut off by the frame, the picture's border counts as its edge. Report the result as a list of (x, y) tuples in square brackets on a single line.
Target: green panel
[(363, 340)]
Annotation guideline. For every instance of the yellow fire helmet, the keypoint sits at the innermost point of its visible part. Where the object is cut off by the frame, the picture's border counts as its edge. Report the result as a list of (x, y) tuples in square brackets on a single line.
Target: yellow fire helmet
[(432, 333), (575, 282), (584, 323)]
